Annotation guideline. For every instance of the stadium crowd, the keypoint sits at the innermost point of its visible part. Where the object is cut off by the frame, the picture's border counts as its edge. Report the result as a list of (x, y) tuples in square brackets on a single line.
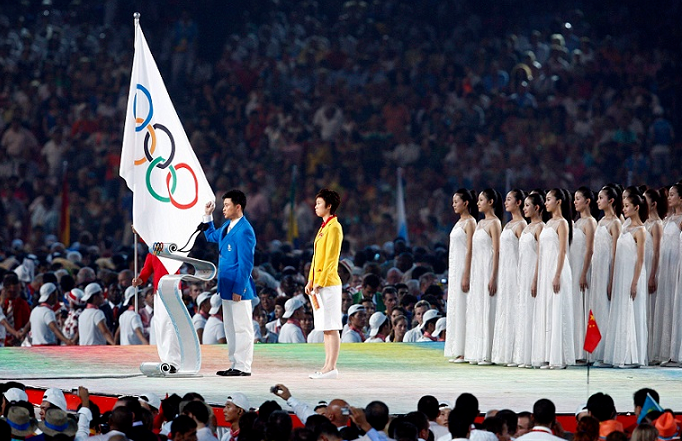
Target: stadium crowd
[(190, 418)]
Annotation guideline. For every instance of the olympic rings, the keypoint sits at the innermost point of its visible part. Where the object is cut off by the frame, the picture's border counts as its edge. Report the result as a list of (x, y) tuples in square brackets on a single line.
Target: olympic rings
[(160, 162), (148, 151), (145, 122)]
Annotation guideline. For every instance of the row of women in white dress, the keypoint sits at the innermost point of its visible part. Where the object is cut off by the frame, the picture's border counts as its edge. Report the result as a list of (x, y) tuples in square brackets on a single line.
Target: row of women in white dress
[(520, 295)]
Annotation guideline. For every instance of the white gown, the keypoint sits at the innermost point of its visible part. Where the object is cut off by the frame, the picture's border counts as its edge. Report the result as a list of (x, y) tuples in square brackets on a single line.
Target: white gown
[(576, 257), (597, 300), (651, 298), (553, 315), (457, 300), (507, 296), (665, 295), (480, 305), (528, 256), (625, 342), (676, 341)]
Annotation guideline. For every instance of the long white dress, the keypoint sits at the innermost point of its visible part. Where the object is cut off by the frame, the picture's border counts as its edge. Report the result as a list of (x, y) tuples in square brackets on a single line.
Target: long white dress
[(577, 259), (676, 341), (665, 295), (457, 300), (528, 256), (597, 299), (553, 315), (651, 298), (480, 305), (625, 342), (507, 296)]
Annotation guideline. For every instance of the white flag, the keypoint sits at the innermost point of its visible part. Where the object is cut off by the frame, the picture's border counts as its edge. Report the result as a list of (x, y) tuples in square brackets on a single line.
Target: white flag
[(157, 162)]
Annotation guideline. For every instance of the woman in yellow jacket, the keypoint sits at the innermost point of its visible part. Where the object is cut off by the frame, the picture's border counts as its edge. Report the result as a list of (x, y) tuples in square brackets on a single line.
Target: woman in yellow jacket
[(324, 284)]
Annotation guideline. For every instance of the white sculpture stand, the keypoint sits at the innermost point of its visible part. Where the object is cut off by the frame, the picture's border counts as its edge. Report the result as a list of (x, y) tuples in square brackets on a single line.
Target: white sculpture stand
[(171, 296)]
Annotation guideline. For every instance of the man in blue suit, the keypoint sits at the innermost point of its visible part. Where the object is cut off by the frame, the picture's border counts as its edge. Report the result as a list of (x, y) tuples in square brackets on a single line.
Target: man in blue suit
[(237, 243)]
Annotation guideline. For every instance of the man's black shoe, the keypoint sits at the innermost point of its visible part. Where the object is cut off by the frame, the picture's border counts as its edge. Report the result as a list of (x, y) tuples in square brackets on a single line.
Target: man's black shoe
[(224, 373), (234, 373)]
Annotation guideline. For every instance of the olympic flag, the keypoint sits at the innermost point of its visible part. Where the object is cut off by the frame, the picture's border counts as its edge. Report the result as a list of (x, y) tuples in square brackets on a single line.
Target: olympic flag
[(157, 161)]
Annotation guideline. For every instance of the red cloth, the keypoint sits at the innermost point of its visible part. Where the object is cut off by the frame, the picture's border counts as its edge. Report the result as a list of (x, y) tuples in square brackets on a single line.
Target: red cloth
[(152, 264), (592, 336), (21, 312)]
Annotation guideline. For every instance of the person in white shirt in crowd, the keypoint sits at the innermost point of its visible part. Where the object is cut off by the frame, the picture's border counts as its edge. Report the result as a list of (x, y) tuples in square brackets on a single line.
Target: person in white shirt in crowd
[(429, 406), (202, 314), (337, 411), (544, 416), (379, 327), (43, 322), (292, 332), (199, 412), (147, 312), (92, 324), (357, 320), (130, 330), (428, 326), (214, 331), (414, 334), (279, 321), (235, 406)]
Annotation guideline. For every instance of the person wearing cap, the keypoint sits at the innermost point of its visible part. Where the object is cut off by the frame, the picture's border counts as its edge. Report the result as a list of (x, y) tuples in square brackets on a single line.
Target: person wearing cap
[(43, 322), (235, 406), (13, 394), (53, 398), (76, 304), (379, 326), (292, 332), (57, 422), (440, 332), (21, 421), (428, 326), (237, 244), (214, 331), (17, 310), (92, 324), (668, 429), (324, 284), (203, 305), (130, 330), (357, 320)]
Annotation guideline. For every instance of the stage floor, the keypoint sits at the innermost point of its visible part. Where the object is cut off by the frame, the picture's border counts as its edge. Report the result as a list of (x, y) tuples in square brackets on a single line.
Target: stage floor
[(398, 374)]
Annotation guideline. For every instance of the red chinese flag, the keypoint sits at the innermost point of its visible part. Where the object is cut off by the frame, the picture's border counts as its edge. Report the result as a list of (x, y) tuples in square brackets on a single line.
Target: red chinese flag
[(592, 336)]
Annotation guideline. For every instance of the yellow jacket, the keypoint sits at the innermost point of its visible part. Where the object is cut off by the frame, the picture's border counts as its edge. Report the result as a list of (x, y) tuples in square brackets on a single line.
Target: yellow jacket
[(324, 270)]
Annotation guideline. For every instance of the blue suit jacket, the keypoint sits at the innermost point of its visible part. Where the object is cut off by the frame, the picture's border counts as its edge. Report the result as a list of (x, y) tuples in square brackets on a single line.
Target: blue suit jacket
[(236, 258)]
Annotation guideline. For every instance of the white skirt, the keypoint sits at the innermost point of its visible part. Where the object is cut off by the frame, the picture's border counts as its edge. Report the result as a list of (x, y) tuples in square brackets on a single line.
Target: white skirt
[(328, 316)]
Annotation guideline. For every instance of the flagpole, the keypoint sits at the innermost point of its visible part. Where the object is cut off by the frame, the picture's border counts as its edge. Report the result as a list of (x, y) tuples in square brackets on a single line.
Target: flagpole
[(136, 19)]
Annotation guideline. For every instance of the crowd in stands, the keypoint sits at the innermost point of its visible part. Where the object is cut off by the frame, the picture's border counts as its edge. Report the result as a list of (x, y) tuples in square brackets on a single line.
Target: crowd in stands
[(190, 418), (345, 91)]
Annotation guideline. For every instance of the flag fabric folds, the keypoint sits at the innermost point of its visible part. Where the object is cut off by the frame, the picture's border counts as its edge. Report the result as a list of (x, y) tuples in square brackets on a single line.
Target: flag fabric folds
[(649, 405), (158, 164), (400, 207), (592, 335)]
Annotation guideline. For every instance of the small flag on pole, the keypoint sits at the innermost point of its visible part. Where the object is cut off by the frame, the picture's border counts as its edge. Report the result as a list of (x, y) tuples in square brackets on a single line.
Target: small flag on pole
[(169, 186), (400, 208), (592, 335), (649, 405), (65, 210), (292, 226)]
